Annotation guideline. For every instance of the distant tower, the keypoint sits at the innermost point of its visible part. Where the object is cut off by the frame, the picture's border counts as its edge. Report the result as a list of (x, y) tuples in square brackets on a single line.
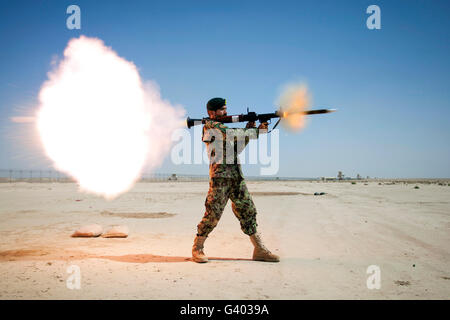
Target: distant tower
[(340, 176), (358, 177)]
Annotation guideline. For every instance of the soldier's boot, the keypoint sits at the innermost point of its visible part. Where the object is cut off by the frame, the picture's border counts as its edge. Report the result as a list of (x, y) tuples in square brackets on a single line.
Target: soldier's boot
[(197, 250), (261, 253)]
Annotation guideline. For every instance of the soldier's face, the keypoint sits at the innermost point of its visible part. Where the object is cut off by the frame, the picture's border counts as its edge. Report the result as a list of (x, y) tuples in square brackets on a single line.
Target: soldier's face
[(221, 112)]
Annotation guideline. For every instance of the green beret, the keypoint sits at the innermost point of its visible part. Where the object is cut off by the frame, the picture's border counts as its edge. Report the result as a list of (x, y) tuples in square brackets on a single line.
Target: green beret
[(215, 104)]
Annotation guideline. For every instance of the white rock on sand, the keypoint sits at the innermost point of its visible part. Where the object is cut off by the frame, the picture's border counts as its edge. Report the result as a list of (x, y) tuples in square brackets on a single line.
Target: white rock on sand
[(116, 232), (92, 230)]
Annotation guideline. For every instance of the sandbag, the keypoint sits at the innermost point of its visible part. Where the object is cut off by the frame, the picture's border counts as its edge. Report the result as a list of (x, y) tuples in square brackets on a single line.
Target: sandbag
[(91, 230), (116, 232)]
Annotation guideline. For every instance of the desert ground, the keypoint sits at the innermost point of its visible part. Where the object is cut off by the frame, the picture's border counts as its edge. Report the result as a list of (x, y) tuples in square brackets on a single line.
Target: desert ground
[(326, 242)]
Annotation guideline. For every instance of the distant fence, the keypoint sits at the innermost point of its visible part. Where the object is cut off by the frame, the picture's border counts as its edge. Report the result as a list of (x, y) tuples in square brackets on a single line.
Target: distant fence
[(43, 176), (15, 175)]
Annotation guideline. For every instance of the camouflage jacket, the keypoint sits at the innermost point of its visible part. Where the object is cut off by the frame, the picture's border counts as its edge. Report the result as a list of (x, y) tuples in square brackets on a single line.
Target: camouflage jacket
[(223, 145)]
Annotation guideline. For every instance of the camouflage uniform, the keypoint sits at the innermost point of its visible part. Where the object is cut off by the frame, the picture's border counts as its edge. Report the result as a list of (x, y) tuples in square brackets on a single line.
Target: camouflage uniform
[(226, 177)]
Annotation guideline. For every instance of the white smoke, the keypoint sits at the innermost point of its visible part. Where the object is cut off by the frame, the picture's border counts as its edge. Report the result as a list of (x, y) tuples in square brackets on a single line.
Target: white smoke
[(99, 122)]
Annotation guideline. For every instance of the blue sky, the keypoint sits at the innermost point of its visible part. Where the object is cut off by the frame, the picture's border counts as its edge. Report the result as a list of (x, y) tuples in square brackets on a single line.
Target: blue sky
[(391, 86)]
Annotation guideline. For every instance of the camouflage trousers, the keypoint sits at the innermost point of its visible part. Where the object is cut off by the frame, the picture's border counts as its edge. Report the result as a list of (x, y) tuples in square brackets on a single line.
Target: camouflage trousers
[(220, 190)]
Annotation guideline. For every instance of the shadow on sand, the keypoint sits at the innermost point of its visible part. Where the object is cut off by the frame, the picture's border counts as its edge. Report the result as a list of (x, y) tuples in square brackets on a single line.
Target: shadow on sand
[(144, 258), (49, 254)]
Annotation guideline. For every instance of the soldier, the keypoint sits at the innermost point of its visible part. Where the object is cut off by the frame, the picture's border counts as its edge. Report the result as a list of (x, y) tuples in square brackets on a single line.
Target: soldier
[(227, 181)]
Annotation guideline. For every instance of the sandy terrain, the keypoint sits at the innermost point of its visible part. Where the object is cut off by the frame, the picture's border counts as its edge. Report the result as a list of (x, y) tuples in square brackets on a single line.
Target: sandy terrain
[(326, 242)]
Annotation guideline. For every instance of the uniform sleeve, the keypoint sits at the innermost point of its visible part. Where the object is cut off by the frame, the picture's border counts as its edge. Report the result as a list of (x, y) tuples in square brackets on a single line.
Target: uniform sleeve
[(242, 137), (211, 129), (206, 134), (218, 125), (252, 135), (248, 133)]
